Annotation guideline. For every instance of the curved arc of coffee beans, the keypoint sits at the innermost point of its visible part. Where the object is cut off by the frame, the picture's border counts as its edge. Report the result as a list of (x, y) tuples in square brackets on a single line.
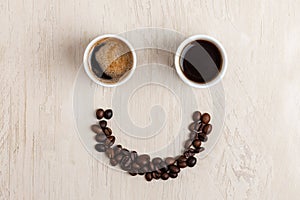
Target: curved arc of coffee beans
[(157, 168)]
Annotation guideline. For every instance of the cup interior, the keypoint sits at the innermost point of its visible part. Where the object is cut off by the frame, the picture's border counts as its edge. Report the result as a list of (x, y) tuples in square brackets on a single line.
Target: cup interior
[(179, 54), (87, 64)]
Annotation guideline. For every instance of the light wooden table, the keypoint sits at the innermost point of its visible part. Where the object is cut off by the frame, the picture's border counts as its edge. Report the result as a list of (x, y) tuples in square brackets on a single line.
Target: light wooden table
[(41, 48)]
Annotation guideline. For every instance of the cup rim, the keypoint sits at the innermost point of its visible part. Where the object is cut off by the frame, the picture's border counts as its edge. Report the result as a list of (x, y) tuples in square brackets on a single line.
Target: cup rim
[(181, 48), (86, 63)]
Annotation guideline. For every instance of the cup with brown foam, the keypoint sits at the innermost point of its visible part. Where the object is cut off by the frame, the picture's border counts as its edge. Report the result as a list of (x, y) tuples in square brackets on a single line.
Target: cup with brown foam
[(109, 60)]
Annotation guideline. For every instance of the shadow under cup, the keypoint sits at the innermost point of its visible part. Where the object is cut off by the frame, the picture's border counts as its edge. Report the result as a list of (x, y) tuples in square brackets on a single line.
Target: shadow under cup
[(109, 60)]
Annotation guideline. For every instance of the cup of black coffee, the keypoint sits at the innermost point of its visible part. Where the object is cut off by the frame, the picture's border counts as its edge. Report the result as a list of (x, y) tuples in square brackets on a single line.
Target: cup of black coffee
[(201, 61), (109, 60)]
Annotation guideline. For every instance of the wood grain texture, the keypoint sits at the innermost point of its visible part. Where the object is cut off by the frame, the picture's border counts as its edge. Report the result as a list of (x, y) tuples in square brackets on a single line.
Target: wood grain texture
[(41, 48)]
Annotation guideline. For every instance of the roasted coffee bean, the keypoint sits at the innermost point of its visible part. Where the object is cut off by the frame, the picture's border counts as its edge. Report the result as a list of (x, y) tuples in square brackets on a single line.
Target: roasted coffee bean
[(133, 155), (117, 149), (202, 137), (148, 176), (199, 130), (205, 118), (165, 176), (173, 175), (119, 157), (113, 162), (143, 159), (110, 153), (193, 135), (156, 175), (191, 161), (100, 137), (100, 113), (100, 147), (196, 116), (132, 173), (125, 152), (96, 129), (107, 131), (207, 129), (151, 167), (156, 160), (110, 140), (188, 153), (170, 161), (141, 173), (126, 163), (198, 150), (197, 143), (192, 126), (135, 166), (103, 124), (198, 127), (181, 159), (145, 169), (174, 169), (108, 114), (181, 164), (188, 143), (163, 167)]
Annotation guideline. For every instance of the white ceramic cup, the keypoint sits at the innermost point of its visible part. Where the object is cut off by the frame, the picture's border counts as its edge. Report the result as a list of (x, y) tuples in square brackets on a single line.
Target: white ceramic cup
[(179, 69), (86, 62)]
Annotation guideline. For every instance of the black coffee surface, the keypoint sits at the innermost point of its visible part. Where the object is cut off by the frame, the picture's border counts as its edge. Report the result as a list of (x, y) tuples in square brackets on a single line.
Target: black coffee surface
[(201, 61)]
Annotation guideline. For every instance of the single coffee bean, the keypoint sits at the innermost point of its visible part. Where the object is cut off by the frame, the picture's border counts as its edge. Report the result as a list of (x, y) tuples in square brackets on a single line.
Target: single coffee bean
[(100, 113), (192, 126), (132, 173), (163, 167), (113, 162), (135, 166), (96, 129), (156, 175), (141, 173), (143, 159), (170, 161), (108, 114), (205, 118), (207, 129), (193, 135), (196, 116), (181, 164), (156, 160), (165, 176), (197, 143), (202, 137), (133, 155), (107, 131), (100, 137), (110, 140), (188, 143), (125, 152), (173, 175), (117, 149), (191, 161), (119, 157), (110, 153), (181, 159), (148, 176), (100, 147), (151, 167), (188, 153), (174, 169), (125, 163), (103, 124)]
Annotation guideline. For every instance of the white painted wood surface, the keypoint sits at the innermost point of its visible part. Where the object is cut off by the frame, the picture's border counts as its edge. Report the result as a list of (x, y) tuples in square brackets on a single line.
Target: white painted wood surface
[(41, 47)]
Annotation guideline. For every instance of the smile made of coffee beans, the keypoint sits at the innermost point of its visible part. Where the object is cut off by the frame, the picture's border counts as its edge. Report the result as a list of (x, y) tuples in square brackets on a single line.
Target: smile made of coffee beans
[(156, 168)]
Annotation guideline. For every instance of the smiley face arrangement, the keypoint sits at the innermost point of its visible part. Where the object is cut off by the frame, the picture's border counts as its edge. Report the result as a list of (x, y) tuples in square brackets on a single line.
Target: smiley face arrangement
[(156, 168)]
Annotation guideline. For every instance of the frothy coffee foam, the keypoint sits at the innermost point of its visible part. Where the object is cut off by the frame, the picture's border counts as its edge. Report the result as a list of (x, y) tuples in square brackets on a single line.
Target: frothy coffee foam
[(110, 60)]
